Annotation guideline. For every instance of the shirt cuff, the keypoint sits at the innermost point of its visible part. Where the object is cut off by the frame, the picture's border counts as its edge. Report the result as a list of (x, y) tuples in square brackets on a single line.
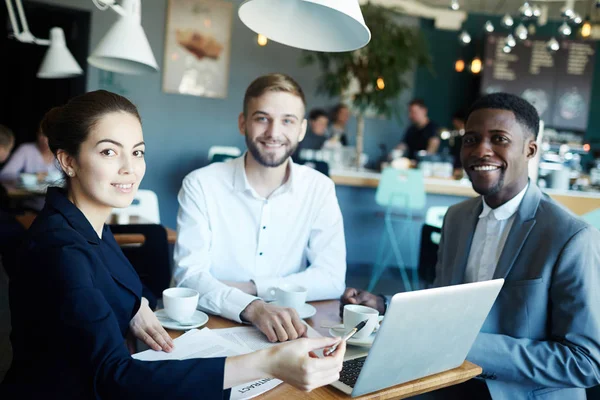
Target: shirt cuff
[(235, 303), (264, 286)]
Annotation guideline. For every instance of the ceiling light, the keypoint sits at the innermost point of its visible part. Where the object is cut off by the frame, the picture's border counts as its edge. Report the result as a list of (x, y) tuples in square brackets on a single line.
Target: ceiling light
[(564, 29), (521, 32), (552, 45), (507, 21), (326, 25)]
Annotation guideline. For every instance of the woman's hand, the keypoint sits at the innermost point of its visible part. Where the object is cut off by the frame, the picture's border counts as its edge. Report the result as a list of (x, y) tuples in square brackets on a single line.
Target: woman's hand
[(293, 362), (146, 327), (296, 363)]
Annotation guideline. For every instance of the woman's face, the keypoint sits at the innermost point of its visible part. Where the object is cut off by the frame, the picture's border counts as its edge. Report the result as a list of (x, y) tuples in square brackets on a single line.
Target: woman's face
[(111, 164)]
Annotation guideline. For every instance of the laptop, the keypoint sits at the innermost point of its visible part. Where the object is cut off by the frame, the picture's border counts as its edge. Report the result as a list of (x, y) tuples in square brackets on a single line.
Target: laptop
[(424, 332)]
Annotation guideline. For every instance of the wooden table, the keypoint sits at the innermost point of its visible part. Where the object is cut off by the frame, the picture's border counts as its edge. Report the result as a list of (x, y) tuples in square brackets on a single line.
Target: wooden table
[(328, 314), (128, 239)]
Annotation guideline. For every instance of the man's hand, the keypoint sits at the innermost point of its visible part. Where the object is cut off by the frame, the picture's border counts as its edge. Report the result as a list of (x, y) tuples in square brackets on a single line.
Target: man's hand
[(277, 323), (362, 297)]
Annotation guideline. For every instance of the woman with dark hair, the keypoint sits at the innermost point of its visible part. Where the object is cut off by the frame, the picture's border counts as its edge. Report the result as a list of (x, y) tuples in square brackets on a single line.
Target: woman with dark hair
[(91, 297), (340, 114)]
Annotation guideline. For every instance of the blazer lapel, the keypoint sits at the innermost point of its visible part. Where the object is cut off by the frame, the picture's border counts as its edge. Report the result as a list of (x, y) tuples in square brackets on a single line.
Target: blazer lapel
[(465, 238), (522, 226)]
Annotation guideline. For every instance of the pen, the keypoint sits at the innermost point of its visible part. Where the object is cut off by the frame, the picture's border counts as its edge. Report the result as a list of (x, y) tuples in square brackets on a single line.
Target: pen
[(346, 337)]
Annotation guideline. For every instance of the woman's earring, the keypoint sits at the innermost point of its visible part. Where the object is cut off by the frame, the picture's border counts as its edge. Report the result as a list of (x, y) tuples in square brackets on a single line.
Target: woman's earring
[(71, 174)]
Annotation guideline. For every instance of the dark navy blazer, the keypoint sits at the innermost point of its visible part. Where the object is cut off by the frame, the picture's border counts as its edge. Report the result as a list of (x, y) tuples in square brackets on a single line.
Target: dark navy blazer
[(71, 300)]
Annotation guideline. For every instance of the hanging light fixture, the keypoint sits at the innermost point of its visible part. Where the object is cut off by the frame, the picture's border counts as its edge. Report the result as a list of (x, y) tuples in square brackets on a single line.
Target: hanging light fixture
[(565, 29), (537, 11), (330, 26), (380, 83), (464, 38), (510, 40), (567, 11), (577, 19), (58, 61), (459, 65), (454, 5), (262, 40), (586, 28), (526, 10), (489, 27), (552, 45), (506, 49), (507, 21), (125, 48), (521, 32), (476, 65)]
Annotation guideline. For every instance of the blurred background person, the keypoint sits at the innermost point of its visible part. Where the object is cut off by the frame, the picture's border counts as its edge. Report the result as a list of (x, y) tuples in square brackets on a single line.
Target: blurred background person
[(422, 134), (7, 142), (337, 131), (316, 134), (33, 158)]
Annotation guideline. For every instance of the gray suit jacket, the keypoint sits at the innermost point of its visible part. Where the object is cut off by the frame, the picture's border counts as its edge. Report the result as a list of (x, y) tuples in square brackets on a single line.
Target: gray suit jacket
[(541, 339)]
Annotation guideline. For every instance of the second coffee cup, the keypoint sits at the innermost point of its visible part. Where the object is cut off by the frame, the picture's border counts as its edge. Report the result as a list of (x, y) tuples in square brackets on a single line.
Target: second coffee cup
[(355, 314), (289, 295)]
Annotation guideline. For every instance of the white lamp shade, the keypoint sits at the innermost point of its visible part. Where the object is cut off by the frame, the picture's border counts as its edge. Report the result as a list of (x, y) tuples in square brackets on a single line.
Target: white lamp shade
[(317, 25), (58, 61), (125, 49)]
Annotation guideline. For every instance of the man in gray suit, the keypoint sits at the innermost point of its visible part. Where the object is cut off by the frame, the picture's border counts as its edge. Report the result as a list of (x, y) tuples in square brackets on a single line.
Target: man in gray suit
[(541, 339)]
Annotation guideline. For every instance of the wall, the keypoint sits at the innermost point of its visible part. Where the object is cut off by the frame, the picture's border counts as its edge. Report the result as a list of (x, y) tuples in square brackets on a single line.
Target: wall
[(179, 129), (446, 91)]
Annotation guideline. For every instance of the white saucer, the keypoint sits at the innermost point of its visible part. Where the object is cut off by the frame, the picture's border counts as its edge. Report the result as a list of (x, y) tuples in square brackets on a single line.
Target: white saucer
[(198, 319), (366, 342), (306, 311)]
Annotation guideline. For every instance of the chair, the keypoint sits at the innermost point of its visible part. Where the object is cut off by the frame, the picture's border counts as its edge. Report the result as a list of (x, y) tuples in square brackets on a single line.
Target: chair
[(430, 241), (592, 218), (152, 259), (224, 152), (403, 189), (144, 206)]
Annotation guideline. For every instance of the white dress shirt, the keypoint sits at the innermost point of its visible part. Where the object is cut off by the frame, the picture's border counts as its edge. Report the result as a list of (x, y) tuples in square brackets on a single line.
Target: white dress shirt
[(226, 231), (490, 236)]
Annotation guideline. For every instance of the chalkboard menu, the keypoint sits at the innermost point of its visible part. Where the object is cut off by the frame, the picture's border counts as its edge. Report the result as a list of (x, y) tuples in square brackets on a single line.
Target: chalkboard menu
[(558, 84)]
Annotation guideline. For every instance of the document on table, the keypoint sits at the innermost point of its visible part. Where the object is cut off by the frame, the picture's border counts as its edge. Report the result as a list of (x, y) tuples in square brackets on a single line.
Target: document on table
[(206, 343), (252, 338)]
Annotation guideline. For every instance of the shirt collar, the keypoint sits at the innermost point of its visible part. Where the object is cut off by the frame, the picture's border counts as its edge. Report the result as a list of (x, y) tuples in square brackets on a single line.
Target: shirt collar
[(506, 210), (240, 180)]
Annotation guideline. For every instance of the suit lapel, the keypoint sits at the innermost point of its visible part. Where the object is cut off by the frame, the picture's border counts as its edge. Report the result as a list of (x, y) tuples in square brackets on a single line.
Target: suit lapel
[(522, 226), (122, 272), (465, 238)]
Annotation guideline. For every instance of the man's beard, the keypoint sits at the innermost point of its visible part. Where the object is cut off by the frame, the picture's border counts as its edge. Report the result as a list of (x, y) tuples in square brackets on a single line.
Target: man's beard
[(494, 189), (266, 161)]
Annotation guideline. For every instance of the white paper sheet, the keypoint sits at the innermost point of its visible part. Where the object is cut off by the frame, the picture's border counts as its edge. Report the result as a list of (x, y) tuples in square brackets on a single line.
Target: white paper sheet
[(249, 336), (207, 343)]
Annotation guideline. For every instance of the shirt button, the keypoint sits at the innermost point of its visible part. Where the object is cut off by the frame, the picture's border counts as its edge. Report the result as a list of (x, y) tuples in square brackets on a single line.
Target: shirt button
[(264, 227), (260, 254)]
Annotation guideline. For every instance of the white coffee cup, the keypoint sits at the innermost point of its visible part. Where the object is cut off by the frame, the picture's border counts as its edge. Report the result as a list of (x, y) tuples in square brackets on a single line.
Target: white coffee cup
[(180, 303), (355, 314), (289, 295)]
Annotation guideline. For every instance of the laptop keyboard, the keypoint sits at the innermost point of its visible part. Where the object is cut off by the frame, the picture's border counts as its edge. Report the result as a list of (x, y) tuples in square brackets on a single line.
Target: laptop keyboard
[(351, 370)]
